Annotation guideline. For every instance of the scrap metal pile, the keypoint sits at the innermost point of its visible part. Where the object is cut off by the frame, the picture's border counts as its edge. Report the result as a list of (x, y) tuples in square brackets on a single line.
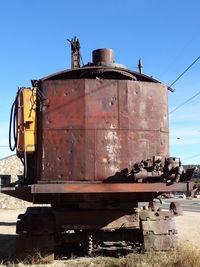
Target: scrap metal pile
[(154, 170)]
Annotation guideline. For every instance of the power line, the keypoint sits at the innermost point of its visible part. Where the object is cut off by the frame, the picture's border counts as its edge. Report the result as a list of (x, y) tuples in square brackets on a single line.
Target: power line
[(194, 156), (178, 55), (185, 71), (188, 100)]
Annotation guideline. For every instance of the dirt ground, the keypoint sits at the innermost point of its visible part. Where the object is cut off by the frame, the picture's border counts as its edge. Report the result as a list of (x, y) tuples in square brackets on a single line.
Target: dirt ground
[(188, 227)]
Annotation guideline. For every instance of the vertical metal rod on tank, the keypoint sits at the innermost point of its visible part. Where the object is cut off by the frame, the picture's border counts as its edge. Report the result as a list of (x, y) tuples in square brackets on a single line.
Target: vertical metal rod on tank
[(140, 66)]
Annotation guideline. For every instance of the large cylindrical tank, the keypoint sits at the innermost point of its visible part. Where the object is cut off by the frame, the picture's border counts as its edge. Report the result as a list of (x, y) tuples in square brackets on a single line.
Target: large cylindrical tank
[(91, 128)]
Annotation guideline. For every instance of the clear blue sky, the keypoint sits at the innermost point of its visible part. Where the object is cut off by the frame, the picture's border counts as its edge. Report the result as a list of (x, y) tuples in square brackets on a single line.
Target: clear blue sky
[(165, 34)]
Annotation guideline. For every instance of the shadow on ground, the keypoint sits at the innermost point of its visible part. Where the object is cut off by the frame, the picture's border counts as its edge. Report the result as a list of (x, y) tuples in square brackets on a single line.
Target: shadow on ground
[(7, 223), (7, 246), (67, 251)]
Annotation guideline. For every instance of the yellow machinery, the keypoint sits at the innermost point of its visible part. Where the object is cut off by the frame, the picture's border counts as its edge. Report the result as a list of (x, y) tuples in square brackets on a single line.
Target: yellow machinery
[(23, 124), (26, 121)]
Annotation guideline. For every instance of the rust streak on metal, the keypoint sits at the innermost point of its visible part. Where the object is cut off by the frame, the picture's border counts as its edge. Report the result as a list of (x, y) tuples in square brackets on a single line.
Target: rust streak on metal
[(95, 128), (106, 188)]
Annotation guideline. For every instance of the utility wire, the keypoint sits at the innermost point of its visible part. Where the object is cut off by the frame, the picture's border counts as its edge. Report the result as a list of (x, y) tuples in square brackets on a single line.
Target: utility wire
[(188, 100), (178, 55), (194, 156), (185, 71)]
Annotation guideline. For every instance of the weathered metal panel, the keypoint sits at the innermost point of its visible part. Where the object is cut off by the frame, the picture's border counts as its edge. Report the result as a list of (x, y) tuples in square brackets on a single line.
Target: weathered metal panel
[(143, 106), (101, 104), (119, 149), (107, 188), (96, 195), (66, 104), (68, 154), (93, 128), (67, 148), (91, 219)]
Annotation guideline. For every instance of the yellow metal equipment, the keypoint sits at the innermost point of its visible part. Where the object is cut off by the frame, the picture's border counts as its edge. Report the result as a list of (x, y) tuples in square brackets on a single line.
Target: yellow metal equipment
[(26, 121)]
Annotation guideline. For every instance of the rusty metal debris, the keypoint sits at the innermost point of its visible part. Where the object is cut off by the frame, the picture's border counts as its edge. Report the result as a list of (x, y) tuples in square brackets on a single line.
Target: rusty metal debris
[(154, 170)]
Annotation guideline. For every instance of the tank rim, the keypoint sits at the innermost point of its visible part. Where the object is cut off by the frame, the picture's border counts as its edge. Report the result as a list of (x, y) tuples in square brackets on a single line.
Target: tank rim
[(76, 73)]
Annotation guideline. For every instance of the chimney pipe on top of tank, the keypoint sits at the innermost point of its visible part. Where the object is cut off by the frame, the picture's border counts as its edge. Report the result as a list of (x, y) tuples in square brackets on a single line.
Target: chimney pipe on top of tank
[(75, 52), (105, 55)]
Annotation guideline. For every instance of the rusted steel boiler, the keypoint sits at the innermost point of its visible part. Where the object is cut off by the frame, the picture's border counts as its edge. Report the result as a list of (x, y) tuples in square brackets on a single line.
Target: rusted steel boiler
[(94, 141)]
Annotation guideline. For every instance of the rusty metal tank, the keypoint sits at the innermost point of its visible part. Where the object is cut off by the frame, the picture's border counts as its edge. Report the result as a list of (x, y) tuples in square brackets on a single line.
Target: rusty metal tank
[(98, 119), (94, 123)]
